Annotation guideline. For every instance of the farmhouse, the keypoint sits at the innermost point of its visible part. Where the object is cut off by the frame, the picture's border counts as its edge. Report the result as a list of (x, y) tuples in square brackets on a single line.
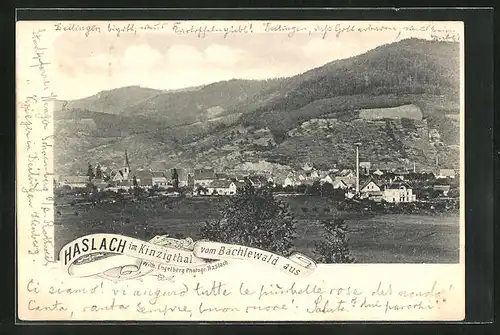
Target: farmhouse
[(398, 191)]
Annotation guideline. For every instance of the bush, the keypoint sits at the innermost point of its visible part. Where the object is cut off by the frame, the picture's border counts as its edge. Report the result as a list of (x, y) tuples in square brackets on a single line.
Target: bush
[(253, 218), (335, 247)]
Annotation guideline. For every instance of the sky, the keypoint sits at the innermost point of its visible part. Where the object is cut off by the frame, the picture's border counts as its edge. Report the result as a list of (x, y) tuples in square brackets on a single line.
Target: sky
[(86, 65)]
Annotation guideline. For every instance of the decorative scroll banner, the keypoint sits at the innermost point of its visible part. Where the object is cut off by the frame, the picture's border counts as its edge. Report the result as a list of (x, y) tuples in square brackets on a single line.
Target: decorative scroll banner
[(120, 257)]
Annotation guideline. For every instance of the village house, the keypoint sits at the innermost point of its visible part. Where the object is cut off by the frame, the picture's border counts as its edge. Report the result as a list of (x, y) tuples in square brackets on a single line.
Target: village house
[(300, 177), (398, 191), (314, 174), (339, 184), (158, 178), (149, 178), (74, 181), (328, 178), (347, 177), (346, 173), (290, 180), (378, 173), (446, 173), (222, 187), (369, 185), (307, 167), (143, 178), (444, 189), (309, 173), (370, 189), (257, 181), (271, 180), (203, 177)]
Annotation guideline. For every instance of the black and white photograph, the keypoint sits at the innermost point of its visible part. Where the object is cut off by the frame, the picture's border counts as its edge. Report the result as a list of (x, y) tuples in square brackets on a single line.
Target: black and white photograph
[(240, 171), (341, 145)]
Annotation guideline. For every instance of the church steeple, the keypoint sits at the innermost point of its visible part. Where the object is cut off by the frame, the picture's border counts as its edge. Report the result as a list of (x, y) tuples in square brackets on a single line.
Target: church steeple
[(127, 165)]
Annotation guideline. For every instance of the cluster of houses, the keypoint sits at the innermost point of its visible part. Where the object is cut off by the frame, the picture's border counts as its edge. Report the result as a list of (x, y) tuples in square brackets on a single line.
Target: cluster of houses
[(394, 190), (366, 184)]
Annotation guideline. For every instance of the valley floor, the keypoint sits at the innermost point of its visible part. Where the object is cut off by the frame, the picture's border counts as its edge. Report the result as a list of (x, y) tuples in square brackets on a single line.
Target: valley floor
[(374, 238)]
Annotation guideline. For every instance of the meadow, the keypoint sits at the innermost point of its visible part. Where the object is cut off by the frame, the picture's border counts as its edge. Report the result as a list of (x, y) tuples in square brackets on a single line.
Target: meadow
[(374, 238)]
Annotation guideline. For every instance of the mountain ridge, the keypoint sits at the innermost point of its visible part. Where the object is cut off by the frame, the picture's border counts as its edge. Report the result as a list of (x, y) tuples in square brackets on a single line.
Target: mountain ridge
[(231, 122)]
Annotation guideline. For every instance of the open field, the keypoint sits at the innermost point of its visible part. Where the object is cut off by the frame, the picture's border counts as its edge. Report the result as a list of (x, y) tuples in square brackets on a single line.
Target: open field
[(388, 238)]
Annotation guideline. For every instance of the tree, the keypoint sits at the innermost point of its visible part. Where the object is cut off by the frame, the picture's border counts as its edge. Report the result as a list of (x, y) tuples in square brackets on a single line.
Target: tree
[(137, 191), (200, 189), (454, 192), (90, 188), (335, 247), (98, 172), (316, 187), (175, 179), (278, 188), (301, 188), (154, 190), (327, 189), (254, 218), (90, 172)]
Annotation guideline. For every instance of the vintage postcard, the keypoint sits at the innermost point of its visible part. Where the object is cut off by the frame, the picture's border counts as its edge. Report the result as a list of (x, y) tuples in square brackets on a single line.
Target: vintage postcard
[(240, 171)]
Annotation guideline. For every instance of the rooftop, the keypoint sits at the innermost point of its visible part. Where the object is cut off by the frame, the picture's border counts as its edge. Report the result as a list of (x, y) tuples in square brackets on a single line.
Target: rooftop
[(221, 183)]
